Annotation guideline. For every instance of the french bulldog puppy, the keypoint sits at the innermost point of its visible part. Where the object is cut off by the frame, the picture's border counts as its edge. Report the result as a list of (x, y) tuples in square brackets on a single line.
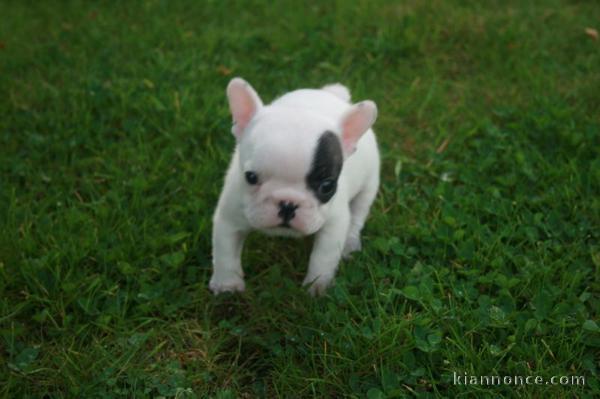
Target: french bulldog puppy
[(305, 164)]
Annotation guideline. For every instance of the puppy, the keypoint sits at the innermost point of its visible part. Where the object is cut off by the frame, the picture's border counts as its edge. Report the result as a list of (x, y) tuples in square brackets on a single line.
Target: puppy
[(305, 164)]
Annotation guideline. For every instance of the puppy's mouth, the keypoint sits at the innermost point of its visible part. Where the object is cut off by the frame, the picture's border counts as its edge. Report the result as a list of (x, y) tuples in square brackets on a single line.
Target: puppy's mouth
[(284, 229)]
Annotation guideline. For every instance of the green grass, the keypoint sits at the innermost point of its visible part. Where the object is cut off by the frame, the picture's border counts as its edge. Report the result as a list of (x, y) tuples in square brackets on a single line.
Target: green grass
[(481, 254)]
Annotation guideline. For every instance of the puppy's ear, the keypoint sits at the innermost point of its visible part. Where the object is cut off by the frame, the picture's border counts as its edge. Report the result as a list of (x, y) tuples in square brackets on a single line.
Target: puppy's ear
[(243, 104), (355, 122)]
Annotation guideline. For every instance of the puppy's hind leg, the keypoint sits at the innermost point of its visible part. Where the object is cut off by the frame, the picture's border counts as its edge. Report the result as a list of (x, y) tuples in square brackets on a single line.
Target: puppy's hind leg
[(359, 209)]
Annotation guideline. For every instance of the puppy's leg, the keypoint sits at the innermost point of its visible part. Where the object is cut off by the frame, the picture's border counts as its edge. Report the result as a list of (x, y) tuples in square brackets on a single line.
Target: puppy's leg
[(359, 208), (227, 242), (326, 252)]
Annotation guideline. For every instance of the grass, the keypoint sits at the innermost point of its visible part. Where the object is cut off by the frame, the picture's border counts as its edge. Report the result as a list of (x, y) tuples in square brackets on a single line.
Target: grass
[(481, 252)]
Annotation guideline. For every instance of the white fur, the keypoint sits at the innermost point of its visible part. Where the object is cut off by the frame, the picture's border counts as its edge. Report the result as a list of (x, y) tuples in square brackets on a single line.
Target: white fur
[(339, 90), (279, 140)]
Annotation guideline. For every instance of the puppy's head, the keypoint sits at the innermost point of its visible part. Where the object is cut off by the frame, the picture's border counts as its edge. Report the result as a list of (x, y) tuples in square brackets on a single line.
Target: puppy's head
[(291, 159)]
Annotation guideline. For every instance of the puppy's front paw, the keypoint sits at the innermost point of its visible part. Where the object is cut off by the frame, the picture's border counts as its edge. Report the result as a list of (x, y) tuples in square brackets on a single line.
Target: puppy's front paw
[(352, 244), (232, 283), (317, 285)]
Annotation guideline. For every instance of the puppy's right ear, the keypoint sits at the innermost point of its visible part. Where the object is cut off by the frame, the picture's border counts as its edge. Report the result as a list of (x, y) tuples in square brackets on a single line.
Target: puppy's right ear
[(244, 103), (355, 122)]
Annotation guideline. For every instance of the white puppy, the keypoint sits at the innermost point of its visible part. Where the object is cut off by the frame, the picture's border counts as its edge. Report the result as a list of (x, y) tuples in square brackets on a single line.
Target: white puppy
[(305, 164)]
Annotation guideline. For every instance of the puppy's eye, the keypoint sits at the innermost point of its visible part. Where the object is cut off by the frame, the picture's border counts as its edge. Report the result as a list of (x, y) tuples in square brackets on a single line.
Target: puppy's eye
[(251, 178), (326, 187)]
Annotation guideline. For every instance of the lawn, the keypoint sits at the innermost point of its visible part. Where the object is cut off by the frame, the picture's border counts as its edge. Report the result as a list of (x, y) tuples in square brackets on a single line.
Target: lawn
[(481, 254)]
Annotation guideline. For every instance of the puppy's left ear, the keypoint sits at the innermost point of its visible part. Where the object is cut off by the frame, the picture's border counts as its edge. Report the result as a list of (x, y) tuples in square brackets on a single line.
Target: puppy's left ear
[(355, 122), (244, 103)]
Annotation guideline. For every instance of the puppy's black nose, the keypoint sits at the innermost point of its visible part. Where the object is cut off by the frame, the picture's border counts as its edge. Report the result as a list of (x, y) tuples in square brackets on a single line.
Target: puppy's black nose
[(287, 211)]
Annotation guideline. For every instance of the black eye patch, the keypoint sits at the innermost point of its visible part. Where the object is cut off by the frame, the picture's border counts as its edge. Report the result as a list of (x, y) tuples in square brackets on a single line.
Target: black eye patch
[(326, 167)]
